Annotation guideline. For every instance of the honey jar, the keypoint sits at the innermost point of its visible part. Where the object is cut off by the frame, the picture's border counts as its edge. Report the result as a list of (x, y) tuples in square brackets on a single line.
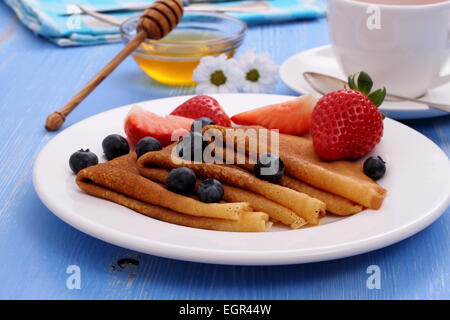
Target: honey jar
[(172, 59)]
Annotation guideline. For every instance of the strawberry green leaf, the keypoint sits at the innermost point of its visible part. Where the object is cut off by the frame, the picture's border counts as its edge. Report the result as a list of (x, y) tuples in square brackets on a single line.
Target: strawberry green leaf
[(365, 83), (351, 82), (377, 96)]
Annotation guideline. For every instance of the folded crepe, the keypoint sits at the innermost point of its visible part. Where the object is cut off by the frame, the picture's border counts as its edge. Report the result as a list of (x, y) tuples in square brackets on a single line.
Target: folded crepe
[(334, 204), (233, 194), (303, 205), (343, 178), (119, 181)]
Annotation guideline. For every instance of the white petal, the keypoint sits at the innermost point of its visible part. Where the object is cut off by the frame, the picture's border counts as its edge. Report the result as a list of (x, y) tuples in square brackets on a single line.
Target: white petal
[(222, 57), (252, 87), (227, 88), (224, 89), (233, 72), (208, 60), (247, 58), (234, 76), (200, 75), (267, 78), (207, 66), (206, 88)]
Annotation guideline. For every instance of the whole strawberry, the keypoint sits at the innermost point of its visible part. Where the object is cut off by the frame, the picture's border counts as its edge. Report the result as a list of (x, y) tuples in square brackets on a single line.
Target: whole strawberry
[(346, 124), (203, 106)]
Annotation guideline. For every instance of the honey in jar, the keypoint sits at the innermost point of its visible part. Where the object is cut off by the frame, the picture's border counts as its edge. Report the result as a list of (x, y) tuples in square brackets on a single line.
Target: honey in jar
[(173, 59)]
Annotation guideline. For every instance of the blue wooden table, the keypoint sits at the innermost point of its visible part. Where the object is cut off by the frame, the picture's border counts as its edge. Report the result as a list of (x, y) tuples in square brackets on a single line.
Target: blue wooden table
[(36, 248)]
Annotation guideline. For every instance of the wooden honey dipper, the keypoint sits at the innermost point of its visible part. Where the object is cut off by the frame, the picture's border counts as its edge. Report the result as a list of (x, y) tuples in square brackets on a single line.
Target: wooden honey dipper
[(155, 23)]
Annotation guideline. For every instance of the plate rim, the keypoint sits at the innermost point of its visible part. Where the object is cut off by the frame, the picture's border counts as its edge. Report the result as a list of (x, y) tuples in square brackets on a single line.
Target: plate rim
[(232, 257)]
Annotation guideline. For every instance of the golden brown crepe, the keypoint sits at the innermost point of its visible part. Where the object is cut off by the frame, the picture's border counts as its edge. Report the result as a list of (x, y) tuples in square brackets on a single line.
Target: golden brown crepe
[(303, 205), (233, 194), (343, 178), (119, 181), (335, 204)]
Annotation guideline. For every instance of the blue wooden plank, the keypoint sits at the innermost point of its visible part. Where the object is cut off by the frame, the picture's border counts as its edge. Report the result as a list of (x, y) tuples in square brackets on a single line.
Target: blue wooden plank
[(36, 247)]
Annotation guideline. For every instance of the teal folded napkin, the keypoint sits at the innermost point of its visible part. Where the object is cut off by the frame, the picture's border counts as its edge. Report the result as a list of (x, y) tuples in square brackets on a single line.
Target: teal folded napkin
[(50, 19)]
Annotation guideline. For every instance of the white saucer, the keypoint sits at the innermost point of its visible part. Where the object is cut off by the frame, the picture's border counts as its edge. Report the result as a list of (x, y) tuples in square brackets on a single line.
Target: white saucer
[(323, 60), (416, 180)]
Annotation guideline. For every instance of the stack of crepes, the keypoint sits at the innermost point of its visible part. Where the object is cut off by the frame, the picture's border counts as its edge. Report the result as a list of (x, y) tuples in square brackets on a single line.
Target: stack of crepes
[(309, 188)]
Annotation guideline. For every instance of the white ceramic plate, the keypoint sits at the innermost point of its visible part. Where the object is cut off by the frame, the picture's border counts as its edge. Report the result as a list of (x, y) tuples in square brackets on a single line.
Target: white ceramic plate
[(417, 180), (323, 60)]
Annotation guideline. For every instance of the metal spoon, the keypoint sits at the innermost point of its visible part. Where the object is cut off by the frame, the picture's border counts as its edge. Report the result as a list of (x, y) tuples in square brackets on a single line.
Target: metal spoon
[(323, 84)]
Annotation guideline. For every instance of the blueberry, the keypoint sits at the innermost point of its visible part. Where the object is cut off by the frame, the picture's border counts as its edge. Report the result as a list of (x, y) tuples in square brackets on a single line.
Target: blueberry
[(269, 167), (374, 167), (181, 180), (147, 144), (200, 123), (82, 159), (191, 146), (210, 190), (115, 146)]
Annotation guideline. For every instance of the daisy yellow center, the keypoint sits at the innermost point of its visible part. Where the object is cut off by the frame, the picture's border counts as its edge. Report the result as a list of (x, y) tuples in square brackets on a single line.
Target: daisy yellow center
[(252, 75), (218, 78)]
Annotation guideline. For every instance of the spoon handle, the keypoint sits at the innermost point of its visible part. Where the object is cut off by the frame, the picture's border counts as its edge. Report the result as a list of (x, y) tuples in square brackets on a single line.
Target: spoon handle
[(440, 106)]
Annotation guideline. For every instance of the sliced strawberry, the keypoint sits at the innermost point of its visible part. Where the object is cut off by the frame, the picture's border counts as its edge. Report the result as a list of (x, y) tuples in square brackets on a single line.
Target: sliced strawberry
[(141, 123), (203, 106), (291, 117)]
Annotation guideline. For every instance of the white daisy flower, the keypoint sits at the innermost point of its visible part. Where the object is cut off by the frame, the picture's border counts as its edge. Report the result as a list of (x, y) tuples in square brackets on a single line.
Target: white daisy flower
[(259, 72), (217, 75)]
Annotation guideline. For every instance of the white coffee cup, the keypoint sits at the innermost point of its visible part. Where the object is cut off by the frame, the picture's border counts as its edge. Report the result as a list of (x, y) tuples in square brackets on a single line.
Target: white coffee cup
[(402, 47)]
